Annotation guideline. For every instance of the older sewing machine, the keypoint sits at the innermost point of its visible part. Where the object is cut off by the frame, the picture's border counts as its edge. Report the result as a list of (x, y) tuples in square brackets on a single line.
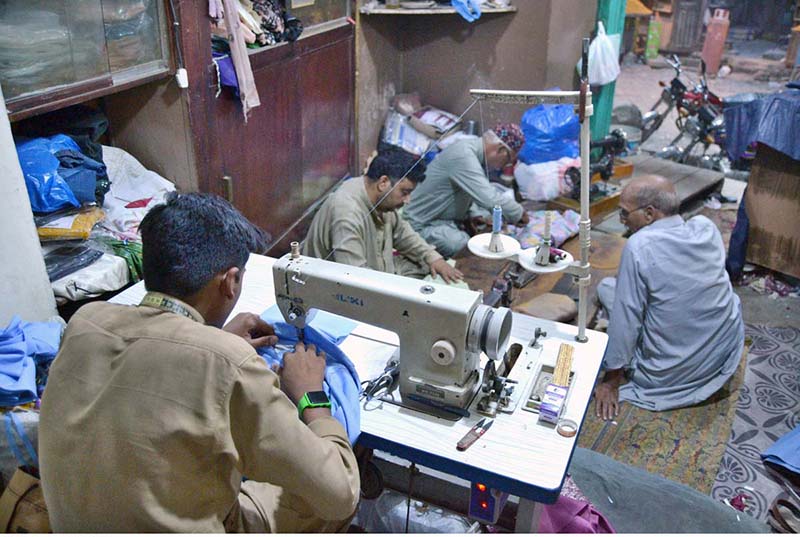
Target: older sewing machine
[(442, 329)]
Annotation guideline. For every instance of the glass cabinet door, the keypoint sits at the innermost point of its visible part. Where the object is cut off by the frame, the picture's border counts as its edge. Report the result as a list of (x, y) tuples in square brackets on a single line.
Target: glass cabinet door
[(46, 44), (58, 52), (133, 32)]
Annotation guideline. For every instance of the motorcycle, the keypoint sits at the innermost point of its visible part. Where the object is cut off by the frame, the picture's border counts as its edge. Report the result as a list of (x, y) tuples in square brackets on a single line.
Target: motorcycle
[(700, 125), (700, 122)]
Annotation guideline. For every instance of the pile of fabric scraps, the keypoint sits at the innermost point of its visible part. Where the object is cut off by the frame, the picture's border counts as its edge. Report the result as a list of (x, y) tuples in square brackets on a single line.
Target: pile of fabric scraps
[(264, 22), (562, 227), (769, 284), (26, 352)]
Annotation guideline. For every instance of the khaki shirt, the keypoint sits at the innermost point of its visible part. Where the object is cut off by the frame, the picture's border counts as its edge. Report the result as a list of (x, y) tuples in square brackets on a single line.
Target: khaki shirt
[(150, 419), (344, 224)]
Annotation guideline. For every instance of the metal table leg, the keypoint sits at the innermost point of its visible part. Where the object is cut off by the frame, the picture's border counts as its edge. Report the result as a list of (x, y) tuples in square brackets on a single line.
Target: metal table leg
[(528, 515)]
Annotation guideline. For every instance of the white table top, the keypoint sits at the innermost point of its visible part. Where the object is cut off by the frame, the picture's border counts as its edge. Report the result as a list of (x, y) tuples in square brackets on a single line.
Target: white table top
[(516, 455)]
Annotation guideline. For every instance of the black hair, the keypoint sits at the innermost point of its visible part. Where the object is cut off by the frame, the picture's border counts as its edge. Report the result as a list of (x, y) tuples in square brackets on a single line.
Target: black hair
[(190, 238), (396, 163)]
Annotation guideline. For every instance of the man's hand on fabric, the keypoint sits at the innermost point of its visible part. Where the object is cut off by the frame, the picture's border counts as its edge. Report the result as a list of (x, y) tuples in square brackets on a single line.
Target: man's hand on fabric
[(253, 329), (525, 219), (303, 371), (449, 274), (606, 395)]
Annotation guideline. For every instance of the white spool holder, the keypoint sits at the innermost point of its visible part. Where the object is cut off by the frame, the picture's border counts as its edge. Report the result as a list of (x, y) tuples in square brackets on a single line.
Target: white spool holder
[(479, 245)]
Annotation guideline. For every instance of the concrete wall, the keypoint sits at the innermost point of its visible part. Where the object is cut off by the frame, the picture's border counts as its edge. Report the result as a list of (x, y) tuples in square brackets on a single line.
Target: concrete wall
[(24, 287), (442, 57), (379, 76), (570, 22), (445, 56)]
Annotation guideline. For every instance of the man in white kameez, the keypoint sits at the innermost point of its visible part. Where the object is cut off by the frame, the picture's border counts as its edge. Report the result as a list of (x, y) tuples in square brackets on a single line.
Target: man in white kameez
[(675, 330)]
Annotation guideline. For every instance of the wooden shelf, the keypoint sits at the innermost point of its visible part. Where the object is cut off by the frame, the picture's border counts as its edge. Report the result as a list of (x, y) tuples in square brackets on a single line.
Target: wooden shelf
[(445, 10)]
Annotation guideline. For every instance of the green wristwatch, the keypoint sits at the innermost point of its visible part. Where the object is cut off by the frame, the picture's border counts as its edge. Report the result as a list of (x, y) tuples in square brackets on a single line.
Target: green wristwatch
[(313, 400)]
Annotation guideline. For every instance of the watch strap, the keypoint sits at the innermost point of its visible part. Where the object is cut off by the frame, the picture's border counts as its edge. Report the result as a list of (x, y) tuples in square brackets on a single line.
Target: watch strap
[(305, 403)]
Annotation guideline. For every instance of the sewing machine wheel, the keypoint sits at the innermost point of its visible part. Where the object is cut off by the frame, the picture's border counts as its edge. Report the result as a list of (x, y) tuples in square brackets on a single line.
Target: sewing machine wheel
[(489, 376)]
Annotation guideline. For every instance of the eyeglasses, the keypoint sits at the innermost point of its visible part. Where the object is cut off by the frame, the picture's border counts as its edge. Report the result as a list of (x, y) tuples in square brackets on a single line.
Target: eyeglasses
[(624, 213)]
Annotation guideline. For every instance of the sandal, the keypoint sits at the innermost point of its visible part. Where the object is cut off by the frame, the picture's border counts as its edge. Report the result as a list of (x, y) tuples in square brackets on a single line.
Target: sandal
[(784, 515)]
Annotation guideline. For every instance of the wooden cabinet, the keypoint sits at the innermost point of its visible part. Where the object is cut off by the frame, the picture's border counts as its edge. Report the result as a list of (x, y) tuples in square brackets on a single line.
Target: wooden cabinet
[(294, 146), (298, 143)]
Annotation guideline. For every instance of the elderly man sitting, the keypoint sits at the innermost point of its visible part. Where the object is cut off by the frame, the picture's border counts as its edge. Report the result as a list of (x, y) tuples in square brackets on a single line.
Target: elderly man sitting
[(676, 328), (457, 179)]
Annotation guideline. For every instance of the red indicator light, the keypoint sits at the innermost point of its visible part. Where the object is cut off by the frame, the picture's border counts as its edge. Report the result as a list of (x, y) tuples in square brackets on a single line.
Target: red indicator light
[(484, 505), (481, 487)]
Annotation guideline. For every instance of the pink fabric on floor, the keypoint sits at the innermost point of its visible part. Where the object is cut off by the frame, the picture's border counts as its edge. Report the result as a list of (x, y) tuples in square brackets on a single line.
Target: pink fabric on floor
[(573, 516)]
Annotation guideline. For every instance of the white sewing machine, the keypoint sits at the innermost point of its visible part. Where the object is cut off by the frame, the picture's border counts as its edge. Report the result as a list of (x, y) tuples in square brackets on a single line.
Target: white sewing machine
[(442, 329)]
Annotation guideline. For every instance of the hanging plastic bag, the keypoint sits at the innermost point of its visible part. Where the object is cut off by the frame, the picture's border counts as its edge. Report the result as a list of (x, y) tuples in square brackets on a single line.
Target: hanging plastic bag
[(469, 9), (603, 63), (551, 132)]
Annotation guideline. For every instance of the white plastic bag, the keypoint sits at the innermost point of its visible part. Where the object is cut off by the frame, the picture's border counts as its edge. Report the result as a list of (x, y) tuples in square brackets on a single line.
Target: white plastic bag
[(545, 180), (603, 63)]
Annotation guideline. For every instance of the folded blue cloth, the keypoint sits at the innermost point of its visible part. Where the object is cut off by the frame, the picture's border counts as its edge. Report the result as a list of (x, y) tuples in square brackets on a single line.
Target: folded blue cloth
[(341, 383), (23, 346), (786, 451)]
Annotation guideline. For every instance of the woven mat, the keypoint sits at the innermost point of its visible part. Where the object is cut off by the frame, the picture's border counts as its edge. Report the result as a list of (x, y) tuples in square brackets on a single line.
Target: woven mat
[(768, 408), (684, 445)]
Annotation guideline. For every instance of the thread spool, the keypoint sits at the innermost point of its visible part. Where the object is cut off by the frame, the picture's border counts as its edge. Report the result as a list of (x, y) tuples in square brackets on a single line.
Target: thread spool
[(497, 219)]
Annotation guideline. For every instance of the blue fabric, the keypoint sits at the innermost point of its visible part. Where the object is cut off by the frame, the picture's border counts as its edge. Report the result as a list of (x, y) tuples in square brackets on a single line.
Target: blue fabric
[(14, 430), (336, 327), (469, 9), (227, 73), (737, 245), (23, 346), (81, 174), (771, 120), (341, 383), (786, 451)]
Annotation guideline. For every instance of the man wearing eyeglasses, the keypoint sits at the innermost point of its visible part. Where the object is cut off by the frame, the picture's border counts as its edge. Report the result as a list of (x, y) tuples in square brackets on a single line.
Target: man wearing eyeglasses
[(675, 333), (457, 186)]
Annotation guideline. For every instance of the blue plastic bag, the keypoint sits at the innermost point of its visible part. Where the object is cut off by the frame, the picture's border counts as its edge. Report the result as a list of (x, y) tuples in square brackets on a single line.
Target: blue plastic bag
[(551, 132), (47, 190)]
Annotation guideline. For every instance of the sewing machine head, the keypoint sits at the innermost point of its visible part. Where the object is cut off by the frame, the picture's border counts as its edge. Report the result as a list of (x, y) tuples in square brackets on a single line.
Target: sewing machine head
[(442, 329)]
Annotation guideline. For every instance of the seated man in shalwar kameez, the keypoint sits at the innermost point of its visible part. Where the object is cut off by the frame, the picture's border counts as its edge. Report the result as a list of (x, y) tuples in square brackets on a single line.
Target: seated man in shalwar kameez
[(457, 188), (675, 329), (360, 223)]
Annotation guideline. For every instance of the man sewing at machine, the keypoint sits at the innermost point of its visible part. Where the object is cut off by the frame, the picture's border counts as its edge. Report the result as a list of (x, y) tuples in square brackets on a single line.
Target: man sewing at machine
[(152, 414), (458, 178), (360, 223), (675, 328)]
